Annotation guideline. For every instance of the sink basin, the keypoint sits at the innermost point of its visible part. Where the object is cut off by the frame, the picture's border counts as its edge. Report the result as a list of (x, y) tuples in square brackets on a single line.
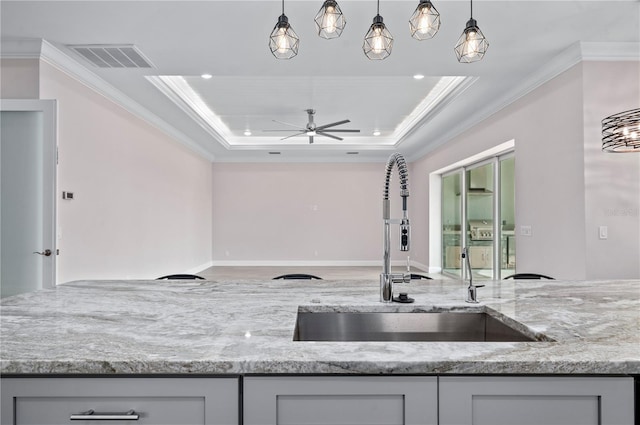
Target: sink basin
[(419, 326)]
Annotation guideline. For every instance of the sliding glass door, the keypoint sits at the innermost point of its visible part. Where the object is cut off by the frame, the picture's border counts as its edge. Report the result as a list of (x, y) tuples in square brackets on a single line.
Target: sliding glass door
[(479, 218), (478, 211), (507, 216), (451, 222)]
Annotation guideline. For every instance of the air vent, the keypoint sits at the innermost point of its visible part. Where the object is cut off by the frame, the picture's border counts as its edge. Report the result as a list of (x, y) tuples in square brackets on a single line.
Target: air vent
[(274, 153), (112, 56), (353, 153)]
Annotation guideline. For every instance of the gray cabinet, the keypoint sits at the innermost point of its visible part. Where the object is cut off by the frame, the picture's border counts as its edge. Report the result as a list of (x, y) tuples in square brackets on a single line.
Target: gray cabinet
[(342, 400), (52, 401), (530, 400)]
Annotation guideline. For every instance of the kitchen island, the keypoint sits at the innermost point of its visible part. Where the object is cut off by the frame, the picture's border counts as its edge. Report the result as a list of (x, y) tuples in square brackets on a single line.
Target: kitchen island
[(241, 328)]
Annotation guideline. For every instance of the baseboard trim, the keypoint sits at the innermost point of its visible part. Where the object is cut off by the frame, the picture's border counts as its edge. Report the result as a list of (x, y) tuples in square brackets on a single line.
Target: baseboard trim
[(200, 268), (294, 263), (318, 263)]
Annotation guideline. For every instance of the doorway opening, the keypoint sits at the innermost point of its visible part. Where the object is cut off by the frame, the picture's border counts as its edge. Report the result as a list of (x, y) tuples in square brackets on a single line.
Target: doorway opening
[(473, 205)]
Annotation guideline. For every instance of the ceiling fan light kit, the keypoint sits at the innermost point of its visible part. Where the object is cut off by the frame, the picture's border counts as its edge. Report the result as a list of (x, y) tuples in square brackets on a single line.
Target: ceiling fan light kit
[(283, 41), (425, 21), (330, 20), (378, 41)]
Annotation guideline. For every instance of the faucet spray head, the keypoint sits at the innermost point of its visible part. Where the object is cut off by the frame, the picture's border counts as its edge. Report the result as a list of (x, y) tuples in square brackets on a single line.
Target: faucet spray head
[(405, 235)]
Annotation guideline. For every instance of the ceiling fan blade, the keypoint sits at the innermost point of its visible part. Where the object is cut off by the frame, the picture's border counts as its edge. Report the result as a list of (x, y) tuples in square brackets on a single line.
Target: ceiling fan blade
[(322, 133), (322, 127), (286, 123), (343, 131), (293, 135), (282, 130)]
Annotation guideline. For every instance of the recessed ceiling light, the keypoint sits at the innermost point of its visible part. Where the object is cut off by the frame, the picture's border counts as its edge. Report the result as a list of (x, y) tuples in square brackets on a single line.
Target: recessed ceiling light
[(207, 76), (247, 132), (418, 76), (376, 133)]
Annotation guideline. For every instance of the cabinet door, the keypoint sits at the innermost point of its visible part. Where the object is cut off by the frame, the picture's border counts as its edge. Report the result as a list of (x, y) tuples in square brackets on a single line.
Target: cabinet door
[(407, 400), (536, 401), (52, 401), (481, 257)]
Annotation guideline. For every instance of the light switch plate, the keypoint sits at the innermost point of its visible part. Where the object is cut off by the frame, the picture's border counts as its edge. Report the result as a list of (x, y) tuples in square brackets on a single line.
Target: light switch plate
[(525, 230), (603, 232)]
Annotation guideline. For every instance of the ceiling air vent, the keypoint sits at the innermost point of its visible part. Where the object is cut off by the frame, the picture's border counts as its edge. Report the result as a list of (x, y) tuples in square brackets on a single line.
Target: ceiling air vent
[(112, 56)]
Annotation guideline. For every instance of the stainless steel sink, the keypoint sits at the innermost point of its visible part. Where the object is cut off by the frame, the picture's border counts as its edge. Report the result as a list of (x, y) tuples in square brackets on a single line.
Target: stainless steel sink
[(419, 326)]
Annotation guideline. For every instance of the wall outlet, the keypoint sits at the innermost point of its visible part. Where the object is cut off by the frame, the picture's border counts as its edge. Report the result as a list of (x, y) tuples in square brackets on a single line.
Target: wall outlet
[(603, 232), (525, 230)]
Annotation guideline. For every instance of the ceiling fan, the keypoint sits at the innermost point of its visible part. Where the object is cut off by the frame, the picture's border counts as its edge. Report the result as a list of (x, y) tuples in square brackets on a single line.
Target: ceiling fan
[(311, 129)]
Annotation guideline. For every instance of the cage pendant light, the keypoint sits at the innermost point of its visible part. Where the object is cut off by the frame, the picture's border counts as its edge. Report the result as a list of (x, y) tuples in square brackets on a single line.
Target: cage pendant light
[(378, 41), (621, 132), (472, 45), (330, 21), (425, 21), (283, 41)]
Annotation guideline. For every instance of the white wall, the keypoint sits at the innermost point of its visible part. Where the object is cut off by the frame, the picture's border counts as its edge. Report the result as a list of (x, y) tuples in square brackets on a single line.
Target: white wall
[(19, 78), (142, 204), (612, 181), (557, 142), (307, 213)]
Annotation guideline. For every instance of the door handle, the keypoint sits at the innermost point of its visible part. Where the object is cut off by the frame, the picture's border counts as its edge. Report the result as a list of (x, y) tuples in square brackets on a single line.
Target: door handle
[(46, 252)]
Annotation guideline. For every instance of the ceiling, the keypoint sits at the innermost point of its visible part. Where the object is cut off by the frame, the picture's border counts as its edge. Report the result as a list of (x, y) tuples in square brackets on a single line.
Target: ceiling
[(530, 42)]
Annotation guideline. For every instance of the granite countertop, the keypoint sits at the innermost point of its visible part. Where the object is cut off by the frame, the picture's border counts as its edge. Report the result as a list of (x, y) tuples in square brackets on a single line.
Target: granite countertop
[(243, 327)]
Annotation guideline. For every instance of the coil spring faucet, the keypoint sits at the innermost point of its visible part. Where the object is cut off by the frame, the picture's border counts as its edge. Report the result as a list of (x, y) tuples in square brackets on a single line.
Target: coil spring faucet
[(387, 279)]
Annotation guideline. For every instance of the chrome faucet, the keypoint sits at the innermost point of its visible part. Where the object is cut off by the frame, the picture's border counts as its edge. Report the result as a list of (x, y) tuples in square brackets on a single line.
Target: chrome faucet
[(472, 295), (387, 279)]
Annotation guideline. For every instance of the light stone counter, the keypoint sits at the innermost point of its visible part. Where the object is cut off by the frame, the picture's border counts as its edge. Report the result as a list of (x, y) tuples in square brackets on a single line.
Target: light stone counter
[(242, 327)]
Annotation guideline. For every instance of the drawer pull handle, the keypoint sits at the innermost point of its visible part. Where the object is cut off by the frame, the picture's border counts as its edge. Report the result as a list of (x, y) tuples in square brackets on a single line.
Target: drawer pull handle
[(91, 415)]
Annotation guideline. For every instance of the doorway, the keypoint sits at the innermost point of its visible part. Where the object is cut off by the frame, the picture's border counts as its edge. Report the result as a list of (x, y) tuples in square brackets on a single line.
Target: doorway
[(478, 212), (28, 203)]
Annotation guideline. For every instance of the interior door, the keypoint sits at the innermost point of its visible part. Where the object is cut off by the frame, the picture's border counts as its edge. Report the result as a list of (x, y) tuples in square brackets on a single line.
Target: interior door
[(27, 204)]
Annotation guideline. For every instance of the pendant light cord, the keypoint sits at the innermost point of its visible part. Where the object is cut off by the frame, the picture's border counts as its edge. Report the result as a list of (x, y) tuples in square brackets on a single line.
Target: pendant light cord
[(471, 8), (283, 7), (378, 7)]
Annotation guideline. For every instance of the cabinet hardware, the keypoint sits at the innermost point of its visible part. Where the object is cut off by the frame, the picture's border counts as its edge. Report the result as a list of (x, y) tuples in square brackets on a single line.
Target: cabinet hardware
[(91, 415)]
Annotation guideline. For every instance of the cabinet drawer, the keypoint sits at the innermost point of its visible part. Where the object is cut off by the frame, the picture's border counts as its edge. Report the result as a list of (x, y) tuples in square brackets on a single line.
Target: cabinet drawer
[(536, 401), (340, 400), (158, 401)]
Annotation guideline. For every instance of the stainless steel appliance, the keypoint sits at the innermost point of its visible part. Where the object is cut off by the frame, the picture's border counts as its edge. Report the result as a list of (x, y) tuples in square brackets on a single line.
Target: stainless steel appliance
[(481, 230)]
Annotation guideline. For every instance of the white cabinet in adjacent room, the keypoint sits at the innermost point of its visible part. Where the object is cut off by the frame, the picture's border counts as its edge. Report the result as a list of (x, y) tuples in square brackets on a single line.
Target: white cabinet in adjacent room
[(339, 400), (119, 400), (527, 400)]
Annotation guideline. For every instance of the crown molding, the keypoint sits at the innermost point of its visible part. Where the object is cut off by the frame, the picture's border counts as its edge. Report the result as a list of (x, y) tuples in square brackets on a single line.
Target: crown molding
[(623, 51), (47, 52), (23, 48), (571, 56), (183, 96)]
